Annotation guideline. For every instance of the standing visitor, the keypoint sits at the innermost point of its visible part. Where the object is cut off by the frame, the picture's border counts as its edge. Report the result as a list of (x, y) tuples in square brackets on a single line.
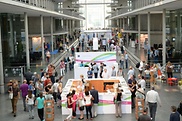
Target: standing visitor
[(65, 59), (117, 102), (69, 107), (74, 96), (126, 59), (175, 116), (88, 104), (24, 90), (141, 67), (105, 74), (152, 98), (40, 106), (169, 69), (81, 103), (120, 72), (101, 69), (59, 94), (55, 90), (89, 73), (156, 55), (39, 87), (95, 101), (144, 117), (30, 102), (48, 55), (113, 71), (133, 93), (122, 61), (95, 70), (28, 76), (130, 72)]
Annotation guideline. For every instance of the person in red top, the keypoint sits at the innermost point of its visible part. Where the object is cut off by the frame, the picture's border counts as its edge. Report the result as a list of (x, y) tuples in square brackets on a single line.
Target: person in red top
[(47, 81), (62, 68), (50, 73), (70, 101)]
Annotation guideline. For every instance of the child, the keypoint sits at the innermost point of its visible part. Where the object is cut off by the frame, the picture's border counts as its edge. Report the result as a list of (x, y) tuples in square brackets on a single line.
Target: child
[(30, 102), (40, 106)]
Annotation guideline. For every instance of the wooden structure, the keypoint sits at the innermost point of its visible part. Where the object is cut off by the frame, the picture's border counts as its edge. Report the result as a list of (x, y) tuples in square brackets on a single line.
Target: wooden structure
[(49, 110), (139, 107)]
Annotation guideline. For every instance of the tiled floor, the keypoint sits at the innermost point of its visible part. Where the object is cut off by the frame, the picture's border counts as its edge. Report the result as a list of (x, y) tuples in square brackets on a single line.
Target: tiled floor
[(170, 95)]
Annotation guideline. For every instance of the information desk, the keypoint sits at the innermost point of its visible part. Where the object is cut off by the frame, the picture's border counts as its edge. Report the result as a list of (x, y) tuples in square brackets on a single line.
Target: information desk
[(106, 89)]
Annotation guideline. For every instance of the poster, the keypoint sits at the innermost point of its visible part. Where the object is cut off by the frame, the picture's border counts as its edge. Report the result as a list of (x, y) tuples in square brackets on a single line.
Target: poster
[(36, 44)]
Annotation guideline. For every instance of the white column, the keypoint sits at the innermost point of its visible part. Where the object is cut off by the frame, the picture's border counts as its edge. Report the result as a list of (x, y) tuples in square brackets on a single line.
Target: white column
[(52, 43), (27, 41), (138, 32), (148, 28), (42, 36), (164, 37), (1, 66)]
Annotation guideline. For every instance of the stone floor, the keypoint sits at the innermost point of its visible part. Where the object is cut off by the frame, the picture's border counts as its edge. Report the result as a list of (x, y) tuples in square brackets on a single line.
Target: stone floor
[(170, 95)]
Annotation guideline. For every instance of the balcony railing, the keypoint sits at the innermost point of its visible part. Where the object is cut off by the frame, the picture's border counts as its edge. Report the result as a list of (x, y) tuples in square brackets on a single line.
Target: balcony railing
[(48, 5), (136, 4)]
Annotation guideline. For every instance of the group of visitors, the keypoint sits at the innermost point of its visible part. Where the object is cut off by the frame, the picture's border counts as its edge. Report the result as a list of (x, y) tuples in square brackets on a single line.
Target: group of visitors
[(88, 100)]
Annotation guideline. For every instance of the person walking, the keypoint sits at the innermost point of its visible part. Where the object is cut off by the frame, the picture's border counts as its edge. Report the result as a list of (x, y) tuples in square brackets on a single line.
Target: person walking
[(30, 102), (16, 95), (122, 61), (174, 116), (144, 117), (40, 106), (152, 98), (89, 73), (95, 101), (117, 102), (55, 90), (62, 68), (81, 103), (24, 90)]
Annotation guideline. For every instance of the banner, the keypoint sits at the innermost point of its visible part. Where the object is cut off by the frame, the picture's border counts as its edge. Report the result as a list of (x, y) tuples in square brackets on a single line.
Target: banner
[(98, 57)]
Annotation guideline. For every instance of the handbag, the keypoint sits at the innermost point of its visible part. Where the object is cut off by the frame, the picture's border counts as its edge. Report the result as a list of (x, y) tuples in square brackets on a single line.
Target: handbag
[(11, 95)]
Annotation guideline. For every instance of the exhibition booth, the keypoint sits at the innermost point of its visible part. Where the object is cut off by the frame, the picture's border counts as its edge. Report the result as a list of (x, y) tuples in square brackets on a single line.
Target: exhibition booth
[(106, 89)]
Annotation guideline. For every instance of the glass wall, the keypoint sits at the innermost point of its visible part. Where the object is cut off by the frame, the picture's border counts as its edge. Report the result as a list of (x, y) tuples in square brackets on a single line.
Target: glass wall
[(13, 39), (95, 12), (174, 32)]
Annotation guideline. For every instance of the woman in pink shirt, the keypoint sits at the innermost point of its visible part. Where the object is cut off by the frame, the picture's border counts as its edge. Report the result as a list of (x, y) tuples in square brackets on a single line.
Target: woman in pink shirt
[(74, 104)]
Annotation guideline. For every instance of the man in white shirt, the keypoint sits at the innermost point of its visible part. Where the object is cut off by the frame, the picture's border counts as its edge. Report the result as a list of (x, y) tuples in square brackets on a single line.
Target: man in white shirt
[(141, 67), (141, 81), (44, 77), (152, 98), (105, 74), (55, 90)]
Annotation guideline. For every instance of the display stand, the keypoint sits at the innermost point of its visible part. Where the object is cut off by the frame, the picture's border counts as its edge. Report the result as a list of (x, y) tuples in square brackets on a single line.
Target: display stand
[(49, 110), (139, 107)]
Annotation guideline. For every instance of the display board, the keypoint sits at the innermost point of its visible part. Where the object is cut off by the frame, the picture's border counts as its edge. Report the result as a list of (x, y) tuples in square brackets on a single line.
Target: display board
[(36, 44)]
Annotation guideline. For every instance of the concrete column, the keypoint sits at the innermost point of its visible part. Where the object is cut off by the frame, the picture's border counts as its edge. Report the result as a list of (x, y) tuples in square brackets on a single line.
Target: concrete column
[(164, 37), (139, 32), (70, 27), (123, 23), (42, 36), (120, 24), (27, 41), (148, 16), (52, 41), (1, 65), (66, 24)]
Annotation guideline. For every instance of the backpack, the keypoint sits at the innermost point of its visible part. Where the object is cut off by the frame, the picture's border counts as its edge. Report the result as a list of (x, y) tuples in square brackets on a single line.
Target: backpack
[(138, 65)]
